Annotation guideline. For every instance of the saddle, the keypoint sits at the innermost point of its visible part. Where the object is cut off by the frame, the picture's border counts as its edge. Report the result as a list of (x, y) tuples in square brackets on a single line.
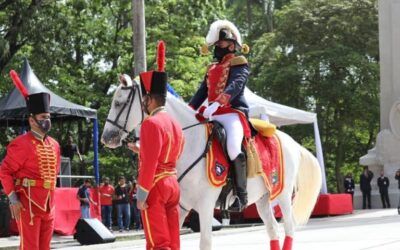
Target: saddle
[(220, 175)]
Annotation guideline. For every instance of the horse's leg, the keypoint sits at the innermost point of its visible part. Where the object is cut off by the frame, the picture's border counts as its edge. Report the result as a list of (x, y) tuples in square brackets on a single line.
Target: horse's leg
[(285, 203), (267, 215), (206, 214)]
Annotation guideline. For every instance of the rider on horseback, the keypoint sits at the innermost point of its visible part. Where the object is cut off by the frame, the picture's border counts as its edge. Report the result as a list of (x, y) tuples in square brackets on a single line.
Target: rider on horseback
[(224, 86)]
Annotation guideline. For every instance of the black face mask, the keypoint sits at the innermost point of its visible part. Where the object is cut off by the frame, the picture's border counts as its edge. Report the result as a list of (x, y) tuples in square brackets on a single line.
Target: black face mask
[(219, 52), (44, 125)]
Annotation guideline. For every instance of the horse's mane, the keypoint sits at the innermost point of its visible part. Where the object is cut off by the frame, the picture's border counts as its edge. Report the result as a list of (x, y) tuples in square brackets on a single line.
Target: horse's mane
[(175, 101)]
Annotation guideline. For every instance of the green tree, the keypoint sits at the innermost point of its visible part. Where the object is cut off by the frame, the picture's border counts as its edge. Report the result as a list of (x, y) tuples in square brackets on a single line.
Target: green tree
[(78, 48), (323, 56)]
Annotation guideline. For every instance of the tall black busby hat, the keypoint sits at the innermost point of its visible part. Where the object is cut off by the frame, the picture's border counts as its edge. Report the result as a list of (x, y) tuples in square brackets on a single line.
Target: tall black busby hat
[(155, 82), (38, 103)]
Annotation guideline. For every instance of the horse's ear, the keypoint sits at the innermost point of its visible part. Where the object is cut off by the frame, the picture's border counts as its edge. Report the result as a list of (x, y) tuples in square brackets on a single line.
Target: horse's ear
[(122, 80), (125, 80)]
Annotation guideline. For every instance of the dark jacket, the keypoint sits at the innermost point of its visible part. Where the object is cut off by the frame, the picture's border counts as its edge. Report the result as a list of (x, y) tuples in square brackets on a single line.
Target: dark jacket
[(84, 192), (235, 86), (365, 181), (397, 177), (383, 184), (123, 193), (349, 185)]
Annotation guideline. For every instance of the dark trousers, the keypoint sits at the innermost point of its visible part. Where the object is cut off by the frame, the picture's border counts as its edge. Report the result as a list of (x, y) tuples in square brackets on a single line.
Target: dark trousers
[(385, 198), (352, 196), (135, 215), (124, 216), (5, 218), (106, 211), (398, 205), (366, 198)]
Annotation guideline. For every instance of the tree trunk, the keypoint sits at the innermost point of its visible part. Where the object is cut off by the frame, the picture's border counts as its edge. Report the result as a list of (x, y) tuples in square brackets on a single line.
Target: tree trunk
[(88, 137), (139, 36), (249, 19), (268, 9)]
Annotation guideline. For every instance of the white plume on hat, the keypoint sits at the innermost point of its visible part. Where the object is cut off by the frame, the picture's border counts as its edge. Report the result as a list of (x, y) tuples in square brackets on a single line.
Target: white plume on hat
[(213, 33)]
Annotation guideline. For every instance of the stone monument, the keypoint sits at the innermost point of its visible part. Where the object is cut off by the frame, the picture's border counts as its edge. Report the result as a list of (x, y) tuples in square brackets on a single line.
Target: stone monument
[(386, 153)]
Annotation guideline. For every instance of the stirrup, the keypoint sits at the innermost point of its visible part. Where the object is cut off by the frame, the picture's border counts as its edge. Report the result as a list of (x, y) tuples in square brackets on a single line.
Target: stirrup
[(237, 206)]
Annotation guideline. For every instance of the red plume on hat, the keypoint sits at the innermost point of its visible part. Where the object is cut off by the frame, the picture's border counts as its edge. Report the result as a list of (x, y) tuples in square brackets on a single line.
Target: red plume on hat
[(36, 103), (161, 56), (155, 82), (18, 83)]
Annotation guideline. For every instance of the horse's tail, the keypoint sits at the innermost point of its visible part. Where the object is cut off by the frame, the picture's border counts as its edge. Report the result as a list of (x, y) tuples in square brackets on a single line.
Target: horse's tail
[(307, 187)]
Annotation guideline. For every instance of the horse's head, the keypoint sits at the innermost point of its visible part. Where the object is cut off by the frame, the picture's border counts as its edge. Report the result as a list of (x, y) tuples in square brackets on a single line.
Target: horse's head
[(125, 113)]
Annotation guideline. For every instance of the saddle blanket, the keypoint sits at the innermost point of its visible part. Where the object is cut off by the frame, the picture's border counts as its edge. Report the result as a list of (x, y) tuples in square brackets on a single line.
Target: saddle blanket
[(216, 163), (268, 152)]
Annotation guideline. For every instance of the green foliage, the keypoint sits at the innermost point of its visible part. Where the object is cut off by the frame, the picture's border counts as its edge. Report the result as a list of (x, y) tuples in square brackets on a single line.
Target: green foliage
[(318, 55), (324, 54)]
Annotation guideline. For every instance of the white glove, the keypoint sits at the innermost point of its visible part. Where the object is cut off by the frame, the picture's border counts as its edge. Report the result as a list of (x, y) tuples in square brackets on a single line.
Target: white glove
[(210, 110)]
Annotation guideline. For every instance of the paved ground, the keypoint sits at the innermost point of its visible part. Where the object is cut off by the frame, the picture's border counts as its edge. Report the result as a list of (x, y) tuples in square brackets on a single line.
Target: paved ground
[(363, 230)]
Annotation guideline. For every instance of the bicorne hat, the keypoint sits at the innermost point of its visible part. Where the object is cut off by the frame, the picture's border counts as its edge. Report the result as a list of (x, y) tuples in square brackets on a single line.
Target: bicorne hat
[(223, 30)]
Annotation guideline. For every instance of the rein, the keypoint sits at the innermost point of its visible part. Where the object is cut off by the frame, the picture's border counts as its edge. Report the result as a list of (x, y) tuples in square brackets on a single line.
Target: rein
[(128, 105), (196, 124), (206, 149)]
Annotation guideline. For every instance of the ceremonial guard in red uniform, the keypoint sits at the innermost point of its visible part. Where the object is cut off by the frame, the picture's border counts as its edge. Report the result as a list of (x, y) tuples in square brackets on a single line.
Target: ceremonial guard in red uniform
[(28, 174), (224, 86), (161, 143)]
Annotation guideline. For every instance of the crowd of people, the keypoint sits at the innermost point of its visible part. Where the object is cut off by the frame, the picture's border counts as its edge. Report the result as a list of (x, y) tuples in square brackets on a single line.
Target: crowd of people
[(365, 187), (121, 198)]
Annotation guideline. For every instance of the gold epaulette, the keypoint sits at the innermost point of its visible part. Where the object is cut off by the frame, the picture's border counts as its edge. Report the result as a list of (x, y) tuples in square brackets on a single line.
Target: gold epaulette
[(238, 60)]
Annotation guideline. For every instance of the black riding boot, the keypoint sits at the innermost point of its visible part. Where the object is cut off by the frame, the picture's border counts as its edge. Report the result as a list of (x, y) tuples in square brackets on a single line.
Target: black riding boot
[(240, 179)]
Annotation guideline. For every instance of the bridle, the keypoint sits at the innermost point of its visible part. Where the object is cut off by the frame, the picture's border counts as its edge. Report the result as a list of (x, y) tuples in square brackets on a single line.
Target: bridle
[(128, 104)]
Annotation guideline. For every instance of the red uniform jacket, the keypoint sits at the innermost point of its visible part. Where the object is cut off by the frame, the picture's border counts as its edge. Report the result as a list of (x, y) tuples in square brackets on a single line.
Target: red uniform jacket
[(28, 157), (224, 82), (161, 143)]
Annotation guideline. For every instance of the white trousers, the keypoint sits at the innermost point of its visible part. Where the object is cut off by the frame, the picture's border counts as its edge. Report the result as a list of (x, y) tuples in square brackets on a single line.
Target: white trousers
[(234, 133)]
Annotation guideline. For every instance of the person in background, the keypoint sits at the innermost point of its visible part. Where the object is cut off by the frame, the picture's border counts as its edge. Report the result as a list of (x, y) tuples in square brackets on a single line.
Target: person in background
[(349, 185), (106, 195), (135, 213), (397, 177), (83, 196), (365, 186), (122, 201), (383, 184), (70, 149), (5, 215)]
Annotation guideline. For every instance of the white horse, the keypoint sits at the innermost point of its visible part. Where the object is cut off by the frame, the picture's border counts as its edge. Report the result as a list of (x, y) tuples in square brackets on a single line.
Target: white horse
[(302, 171)]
